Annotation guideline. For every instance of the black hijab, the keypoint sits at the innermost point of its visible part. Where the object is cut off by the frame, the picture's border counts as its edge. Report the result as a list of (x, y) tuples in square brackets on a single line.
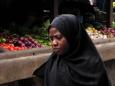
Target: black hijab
[(81, 65)]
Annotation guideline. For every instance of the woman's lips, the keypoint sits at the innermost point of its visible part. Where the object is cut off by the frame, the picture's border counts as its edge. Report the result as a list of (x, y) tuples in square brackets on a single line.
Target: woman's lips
[(56, 49)]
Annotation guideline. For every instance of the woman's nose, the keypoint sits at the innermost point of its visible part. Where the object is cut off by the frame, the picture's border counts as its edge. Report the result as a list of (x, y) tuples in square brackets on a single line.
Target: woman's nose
[(54, 42)]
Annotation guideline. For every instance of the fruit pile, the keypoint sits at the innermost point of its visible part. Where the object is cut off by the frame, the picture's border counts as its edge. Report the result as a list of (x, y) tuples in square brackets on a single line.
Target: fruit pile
[(14, 42), (104, 33)]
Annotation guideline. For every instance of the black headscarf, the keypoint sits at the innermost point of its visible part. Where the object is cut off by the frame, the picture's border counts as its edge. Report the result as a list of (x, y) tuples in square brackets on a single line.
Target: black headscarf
[(81, 65)]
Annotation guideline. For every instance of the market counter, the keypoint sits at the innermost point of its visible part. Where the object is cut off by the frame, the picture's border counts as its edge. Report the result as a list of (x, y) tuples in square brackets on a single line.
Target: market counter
[(20, 68), (106, 50), (21, 64)]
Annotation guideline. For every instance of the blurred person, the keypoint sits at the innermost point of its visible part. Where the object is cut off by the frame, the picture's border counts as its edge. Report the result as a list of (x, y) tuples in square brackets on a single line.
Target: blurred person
[(90, 21)]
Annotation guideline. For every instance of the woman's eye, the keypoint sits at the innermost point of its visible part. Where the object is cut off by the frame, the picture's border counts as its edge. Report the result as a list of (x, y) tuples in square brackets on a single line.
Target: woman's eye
[(59, 37)]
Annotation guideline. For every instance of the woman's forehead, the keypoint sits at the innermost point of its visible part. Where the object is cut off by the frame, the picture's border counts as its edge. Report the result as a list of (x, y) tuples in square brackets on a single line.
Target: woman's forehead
[(54, 30)]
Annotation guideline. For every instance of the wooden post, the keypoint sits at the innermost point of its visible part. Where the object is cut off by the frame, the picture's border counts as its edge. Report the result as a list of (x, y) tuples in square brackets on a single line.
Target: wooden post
[(110, 14), (56, 2)]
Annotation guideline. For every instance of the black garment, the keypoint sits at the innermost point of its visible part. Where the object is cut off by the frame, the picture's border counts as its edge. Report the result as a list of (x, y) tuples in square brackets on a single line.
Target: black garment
[(81, 65)]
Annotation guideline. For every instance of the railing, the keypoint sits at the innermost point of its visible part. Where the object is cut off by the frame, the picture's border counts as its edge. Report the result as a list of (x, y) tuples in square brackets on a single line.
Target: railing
[(21, 64)]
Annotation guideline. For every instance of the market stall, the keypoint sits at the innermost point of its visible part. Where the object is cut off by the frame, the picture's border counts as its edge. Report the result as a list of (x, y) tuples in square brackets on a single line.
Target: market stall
[(21, 52)]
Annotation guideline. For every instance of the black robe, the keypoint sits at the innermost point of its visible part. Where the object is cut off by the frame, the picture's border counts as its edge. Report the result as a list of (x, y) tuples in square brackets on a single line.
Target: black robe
[(81, 65)]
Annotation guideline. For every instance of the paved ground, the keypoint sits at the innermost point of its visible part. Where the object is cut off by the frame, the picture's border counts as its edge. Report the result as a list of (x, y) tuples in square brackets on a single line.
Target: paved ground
[(111, 70)]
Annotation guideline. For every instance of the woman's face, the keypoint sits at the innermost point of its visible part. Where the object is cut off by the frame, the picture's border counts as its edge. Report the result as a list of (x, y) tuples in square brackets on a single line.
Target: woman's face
[(58, 41)]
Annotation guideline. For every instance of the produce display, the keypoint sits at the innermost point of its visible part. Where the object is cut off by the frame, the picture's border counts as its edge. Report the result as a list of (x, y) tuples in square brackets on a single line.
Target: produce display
[(15, 36), (14, 42), (100, 34)]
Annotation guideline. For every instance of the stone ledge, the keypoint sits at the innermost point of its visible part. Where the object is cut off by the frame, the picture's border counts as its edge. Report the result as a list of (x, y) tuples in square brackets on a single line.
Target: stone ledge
[(106, 50), (20, 68), (22, 53)]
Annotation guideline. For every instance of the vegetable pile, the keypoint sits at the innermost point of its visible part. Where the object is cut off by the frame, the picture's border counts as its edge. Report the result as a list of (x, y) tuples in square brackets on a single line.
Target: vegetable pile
[(14, 42), (104, 33)]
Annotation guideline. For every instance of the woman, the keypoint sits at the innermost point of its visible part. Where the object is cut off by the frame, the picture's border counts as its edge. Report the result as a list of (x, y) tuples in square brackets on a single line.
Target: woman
[(74, 61)]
